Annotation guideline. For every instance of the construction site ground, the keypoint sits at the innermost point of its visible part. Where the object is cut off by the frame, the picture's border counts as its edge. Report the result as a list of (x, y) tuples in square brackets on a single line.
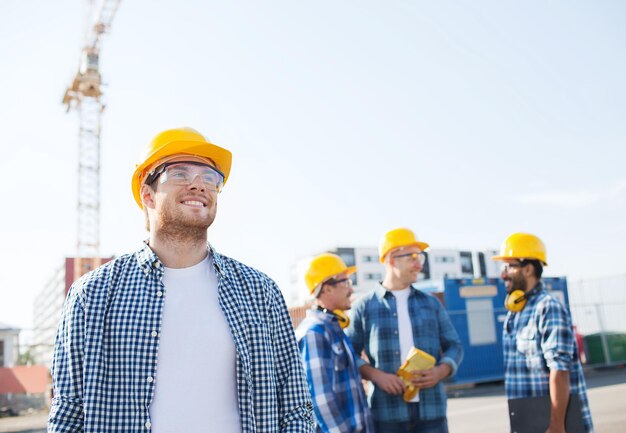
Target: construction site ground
[(476, 409)]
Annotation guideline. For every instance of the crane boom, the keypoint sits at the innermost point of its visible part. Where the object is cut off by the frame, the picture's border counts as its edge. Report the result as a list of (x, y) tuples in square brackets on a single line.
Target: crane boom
[(85, 95), (104, 12)]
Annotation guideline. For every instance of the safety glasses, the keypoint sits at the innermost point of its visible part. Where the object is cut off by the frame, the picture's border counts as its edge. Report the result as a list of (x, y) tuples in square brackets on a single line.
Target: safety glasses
[(506, 268), (414, 257), (185, 172), (343, 282)]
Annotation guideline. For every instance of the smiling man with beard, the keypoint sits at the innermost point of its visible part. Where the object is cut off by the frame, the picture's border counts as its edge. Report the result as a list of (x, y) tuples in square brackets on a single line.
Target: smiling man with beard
[(540, 352), (177, 337)]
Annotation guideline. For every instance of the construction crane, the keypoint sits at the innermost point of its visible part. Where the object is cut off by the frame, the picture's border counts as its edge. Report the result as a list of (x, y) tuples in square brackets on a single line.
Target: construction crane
[(85, 96)]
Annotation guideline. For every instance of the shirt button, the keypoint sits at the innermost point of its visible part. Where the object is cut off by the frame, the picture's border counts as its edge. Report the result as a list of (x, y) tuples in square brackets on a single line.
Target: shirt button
[(148, 424), (395, 332), (154, 333), (150, 379), (159, 293)]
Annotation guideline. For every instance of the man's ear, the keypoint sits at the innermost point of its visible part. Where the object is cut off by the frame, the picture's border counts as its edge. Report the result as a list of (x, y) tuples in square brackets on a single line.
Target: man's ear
[(528, 271), (147, 196)]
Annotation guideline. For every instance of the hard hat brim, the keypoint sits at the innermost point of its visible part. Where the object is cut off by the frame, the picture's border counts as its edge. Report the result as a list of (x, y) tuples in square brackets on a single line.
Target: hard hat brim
[(421, 245), (316, 290), (221, 156), (348, 271), (502, 258)]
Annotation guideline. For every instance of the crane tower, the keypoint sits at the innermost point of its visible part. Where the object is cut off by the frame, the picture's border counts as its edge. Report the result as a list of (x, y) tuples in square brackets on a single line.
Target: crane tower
[(85, 96)]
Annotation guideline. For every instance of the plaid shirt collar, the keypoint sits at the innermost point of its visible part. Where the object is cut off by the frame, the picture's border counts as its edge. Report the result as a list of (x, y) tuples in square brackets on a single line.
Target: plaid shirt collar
[(380, 291), (537, 289), (323, 316), (149, 262)]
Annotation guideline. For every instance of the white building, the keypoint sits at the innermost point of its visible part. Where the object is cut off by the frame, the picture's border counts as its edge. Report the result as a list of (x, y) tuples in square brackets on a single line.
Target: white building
[(440, 263), (454, 263), (47, 308), (9, 345)]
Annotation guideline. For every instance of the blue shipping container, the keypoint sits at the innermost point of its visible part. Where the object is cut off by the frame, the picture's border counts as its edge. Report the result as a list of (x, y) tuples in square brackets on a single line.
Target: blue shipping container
[(476, 308)]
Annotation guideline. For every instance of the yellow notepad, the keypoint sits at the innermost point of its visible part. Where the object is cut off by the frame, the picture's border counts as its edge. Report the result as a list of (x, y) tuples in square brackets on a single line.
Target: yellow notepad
[(416, 360)]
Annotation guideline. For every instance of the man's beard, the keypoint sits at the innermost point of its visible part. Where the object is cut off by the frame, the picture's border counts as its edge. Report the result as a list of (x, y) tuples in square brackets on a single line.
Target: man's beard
[(517, 283), (174, 225)]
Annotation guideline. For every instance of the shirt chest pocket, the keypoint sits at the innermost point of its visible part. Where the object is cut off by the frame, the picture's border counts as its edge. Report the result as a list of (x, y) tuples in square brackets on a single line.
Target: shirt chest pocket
[(527, 344), (427, 321), (340, 357)]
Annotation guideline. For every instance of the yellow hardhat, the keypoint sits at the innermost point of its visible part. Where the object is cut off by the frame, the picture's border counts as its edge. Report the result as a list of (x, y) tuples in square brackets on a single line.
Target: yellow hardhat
[(178, 141), (322, 268), (523, 246), (396, 238)]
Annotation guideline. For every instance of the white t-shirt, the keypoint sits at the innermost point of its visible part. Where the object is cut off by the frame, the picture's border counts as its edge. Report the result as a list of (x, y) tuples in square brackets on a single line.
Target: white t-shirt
[(405, 329), (195, 383)]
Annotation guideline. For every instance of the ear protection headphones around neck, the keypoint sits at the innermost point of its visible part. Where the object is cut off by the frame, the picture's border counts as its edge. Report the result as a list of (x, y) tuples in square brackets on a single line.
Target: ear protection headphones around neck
[(342, 317), (516, 300)]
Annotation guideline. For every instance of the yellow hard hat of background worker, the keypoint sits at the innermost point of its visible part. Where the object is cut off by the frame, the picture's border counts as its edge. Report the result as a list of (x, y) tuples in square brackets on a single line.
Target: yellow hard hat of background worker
[(178, 141), (396, 238), (323, 267), (523, 246)]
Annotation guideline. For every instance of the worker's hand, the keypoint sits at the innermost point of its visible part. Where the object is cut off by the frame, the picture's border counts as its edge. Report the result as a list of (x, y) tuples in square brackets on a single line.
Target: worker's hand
[(552, 429), (431, 377), (390, 383)]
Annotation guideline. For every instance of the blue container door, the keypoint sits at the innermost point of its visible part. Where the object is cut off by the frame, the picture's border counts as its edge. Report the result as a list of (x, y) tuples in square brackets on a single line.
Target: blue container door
[(476, 308)]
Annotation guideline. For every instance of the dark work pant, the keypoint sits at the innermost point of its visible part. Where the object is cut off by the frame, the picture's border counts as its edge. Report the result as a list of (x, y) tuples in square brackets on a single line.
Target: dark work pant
[(414, 425)]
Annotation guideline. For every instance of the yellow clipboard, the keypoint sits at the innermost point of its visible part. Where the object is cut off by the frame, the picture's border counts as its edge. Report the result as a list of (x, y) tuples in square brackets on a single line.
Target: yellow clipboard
[(416, 360)]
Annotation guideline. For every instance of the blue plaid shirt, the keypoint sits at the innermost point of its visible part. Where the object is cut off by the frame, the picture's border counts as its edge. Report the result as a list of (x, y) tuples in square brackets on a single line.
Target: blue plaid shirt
[(334, 380), (105, 358), (374, 328), (536, 340)]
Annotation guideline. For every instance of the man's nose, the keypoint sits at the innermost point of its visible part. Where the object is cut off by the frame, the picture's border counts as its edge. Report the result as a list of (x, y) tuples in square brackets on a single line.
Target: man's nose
[(197, 183)]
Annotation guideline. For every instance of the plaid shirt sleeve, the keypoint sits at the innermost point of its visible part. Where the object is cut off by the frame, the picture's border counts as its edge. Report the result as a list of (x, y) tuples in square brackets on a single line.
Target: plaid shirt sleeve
[(318, 361), (355, 333), (66, 412), (451, 345), (557, 340), (294, 401)]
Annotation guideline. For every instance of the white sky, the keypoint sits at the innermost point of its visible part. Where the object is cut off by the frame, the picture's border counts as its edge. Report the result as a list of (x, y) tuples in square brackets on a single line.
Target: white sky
[(464, 120)]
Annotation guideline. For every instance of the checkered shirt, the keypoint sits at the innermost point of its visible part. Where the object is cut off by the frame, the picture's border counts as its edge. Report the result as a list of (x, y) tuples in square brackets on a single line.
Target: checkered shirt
[(536, 340), (374, 328), (334, 379), (106, 350)]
